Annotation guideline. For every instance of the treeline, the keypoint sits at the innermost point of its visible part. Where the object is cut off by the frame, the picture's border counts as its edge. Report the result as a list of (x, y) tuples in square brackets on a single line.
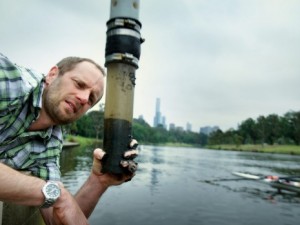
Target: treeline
[(270, 129), (91, 125)]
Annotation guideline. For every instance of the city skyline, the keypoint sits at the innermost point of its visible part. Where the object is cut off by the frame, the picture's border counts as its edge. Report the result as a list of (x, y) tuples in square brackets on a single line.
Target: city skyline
[(160, 119)]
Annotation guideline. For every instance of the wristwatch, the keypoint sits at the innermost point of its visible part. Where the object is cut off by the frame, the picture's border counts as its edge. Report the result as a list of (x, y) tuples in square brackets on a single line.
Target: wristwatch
[(51, 191)]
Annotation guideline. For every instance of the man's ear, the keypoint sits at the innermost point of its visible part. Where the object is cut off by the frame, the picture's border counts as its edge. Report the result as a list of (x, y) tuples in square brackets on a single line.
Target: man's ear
[(52, 74)]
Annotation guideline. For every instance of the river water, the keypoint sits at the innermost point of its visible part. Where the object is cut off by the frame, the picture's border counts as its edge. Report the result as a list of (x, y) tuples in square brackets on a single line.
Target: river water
[(190, 186)]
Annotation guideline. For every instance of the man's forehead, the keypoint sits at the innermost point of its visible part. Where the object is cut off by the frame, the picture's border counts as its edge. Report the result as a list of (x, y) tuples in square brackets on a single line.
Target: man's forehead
[(88, 71)]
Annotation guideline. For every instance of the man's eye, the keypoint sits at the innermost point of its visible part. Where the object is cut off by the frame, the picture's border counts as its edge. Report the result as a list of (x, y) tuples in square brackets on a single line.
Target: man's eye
[(91, 101), (78, 84)]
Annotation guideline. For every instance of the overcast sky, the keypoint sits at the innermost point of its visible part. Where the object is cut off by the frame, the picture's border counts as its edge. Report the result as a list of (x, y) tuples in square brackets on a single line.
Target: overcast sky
[(211, 62)]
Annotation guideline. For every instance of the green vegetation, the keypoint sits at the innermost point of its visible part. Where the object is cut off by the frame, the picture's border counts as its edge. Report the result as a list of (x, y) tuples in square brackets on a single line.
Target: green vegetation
[(271, 130), (282, 149), (83, 141), (265, 134)]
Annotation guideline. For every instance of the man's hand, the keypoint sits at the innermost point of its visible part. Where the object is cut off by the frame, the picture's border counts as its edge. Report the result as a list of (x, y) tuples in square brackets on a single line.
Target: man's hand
[(65, 211), (128, 163)]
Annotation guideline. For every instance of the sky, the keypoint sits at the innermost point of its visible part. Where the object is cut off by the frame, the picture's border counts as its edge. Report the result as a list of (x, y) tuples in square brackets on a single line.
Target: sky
[(211, 62)]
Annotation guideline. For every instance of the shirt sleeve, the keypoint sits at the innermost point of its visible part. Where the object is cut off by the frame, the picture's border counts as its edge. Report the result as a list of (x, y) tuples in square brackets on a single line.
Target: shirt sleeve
[(9, 87), (17, 84), (8, 77)]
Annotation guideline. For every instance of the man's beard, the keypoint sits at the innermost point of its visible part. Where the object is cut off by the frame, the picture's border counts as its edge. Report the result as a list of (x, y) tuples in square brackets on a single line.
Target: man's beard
[(51, 105)]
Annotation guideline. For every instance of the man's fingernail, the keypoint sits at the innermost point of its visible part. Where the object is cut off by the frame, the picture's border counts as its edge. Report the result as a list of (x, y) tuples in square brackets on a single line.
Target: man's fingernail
[(132, 167), (124, 163)]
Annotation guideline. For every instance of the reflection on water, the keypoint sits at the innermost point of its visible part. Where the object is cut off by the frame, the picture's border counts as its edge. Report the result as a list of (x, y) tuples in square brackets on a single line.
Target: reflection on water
[(186, 186), (75, 166)]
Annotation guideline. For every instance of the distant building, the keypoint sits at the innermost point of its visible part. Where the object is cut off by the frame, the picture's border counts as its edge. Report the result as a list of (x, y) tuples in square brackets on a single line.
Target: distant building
[(160, 121), (208, 129), (163, 122), (158, 118), (188, 126), (172, 126), (179, 128)]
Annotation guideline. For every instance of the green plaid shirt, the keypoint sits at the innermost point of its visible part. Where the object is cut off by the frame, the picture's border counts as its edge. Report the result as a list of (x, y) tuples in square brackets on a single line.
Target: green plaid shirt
[(20, 102)]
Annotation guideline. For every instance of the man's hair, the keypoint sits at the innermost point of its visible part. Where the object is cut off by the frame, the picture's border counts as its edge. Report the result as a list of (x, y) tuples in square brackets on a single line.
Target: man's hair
[(68, 64)]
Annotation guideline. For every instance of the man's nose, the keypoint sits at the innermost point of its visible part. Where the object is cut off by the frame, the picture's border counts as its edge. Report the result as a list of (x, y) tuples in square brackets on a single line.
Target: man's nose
[(83, 96)]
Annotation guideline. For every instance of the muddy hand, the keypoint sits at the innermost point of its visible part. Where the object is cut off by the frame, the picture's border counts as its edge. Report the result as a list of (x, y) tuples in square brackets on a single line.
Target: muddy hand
[(128, 156)]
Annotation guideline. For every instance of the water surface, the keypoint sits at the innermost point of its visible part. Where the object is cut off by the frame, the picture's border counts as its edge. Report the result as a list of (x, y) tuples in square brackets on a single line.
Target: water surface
[(190, 186)]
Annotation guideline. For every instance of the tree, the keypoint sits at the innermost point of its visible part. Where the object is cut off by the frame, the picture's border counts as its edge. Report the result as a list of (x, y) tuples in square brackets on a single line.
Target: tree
[(141, 130), (216, 137), (294, 125), (261, 129), (91, 125), (97, 117), (247, 130), (273, 128)]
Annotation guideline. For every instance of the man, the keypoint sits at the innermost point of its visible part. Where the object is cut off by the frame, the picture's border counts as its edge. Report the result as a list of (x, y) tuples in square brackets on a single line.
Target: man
[(32, 108)]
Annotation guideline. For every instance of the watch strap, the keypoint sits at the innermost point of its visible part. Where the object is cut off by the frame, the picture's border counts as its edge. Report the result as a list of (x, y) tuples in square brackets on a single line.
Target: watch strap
[(48, 203)]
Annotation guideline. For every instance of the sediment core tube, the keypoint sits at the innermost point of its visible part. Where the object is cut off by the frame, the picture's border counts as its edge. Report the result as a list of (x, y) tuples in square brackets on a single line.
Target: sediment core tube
[(122, 54), (118, 114)]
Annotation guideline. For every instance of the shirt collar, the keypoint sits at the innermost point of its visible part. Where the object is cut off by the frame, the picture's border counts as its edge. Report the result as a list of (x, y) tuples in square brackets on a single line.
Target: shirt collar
[(37, 97)]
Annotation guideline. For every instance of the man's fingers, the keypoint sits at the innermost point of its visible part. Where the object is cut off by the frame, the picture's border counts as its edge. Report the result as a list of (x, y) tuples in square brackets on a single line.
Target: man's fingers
[(130, 165), (99, 153), (133, 144), (131, 154)]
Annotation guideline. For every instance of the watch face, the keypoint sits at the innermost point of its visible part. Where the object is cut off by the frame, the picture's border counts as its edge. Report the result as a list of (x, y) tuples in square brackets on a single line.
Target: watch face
[(52, 191)]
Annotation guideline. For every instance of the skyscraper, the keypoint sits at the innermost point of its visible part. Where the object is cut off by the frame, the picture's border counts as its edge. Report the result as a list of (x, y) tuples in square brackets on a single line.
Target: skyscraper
[(163, 122), (188, 126), (157, 117)]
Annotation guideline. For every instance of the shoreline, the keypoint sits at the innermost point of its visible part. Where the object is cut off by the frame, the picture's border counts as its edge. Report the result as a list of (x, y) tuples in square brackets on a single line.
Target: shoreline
[(68, 144), (278, 149)]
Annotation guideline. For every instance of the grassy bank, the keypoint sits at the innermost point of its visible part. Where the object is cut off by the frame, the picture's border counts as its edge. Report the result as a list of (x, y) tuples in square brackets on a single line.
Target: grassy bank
[(281, 149), (84, 141)]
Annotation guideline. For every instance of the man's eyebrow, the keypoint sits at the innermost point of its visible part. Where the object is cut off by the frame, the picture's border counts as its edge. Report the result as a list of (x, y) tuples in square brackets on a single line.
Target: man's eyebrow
[(83, 82)]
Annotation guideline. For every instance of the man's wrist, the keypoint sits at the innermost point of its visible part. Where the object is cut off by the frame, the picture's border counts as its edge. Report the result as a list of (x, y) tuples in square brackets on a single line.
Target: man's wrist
[(51, 191), (98, 182)]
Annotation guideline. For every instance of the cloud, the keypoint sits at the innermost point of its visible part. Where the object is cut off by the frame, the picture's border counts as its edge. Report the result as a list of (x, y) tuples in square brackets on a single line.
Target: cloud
[(211, 62), (230, 58)]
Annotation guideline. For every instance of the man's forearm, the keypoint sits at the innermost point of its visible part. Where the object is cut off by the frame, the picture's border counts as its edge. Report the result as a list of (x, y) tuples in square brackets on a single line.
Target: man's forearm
[(89, 194), (20, 188)]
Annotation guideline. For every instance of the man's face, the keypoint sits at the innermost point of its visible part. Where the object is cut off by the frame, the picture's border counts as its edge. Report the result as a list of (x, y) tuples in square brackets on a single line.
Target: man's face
[(67, 97)]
